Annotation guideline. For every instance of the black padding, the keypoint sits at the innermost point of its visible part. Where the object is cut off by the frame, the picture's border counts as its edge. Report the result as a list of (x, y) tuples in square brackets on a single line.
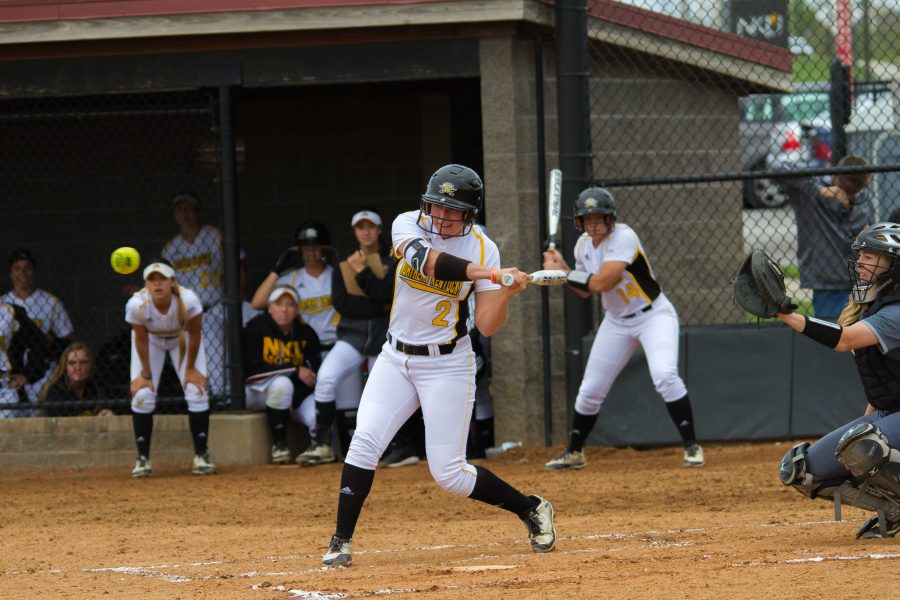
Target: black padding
[(450, 268)]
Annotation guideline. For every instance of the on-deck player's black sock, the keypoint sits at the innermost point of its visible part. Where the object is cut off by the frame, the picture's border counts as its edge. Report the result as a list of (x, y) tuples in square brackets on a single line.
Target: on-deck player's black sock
[(683, 417), (324, 421), (355, 486), (143, 430), (199, 422), (581, 428), (492, 490), (278, 418)]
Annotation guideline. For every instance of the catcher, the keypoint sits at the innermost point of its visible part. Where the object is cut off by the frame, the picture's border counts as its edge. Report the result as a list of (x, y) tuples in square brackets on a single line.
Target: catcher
[(857, 463)]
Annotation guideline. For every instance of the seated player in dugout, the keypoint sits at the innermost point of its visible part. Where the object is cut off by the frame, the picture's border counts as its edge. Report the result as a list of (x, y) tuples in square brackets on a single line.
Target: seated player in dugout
[(859, 462), (23, 358), (362, 289), (306, 267), (43, 308), (281, 358), (610, 261)]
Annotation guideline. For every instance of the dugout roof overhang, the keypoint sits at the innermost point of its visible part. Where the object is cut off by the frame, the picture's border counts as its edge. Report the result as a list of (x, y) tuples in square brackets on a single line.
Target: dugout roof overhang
[(48, 30)]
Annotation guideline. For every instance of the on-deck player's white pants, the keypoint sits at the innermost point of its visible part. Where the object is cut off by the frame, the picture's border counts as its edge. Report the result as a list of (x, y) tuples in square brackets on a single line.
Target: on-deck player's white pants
[(656, 331), (339, 379), (444, 386), (347, 389), (145, 400)]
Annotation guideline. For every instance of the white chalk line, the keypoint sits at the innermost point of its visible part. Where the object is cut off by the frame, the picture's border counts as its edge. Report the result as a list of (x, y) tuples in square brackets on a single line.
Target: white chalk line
[(648, 537)]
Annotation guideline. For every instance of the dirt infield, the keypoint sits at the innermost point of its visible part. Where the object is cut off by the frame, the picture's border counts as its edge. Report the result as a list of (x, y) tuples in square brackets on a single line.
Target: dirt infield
[(631, 525)]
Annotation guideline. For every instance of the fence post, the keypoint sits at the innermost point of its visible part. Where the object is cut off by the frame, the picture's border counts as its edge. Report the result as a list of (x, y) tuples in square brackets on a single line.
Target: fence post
[(573, 110)]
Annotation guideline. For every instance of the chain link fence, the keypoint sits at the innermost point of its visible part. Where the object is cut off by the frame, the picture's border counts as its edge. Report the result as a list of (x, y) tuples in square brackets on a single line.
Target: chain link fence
[(698, 106), (80, 177)]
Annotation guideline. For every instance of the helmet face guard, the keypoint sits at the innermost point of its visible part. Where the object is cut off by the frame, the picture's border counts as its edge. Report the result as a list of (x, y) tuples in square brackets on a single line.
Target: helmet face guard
[(882, 240), (454, 187)]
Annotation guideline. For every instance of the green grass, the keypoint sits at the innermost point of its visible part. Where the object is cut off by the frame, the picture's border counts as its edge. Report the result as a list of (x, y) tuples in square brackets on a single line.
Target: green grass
[(791, 271)]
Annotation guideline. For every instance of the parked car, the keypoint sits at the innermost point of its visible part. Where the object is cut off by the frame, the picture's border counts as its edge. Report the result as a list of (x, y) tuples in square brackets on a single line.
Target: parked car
[(795, 129), (770, 125)]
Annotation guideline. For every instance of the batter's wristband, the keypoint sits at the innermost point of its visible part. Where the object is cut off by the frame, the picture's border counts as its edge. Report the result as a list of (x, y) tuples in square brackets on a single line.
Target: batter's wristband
[(827, 334), (494, 276)]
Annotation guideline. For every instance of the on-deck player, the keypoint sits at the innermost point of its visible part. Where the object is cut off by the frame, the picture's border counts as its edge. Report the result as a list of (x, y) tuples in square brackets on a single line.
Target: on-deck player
[(312, 282), (636, 312), (166, 319), (197, 255), (428, 361)]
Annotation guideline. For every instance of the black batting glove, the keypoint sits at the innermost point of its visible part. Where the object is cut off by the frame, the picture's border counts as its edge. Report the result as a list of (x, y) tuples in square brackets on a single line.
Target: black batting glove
[(288, 261)]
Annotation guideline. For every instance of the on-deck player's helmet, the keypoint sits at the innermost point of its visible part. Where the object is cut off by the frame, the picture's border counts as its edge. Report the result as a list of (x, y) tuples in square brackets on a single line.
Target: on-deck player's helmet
[(313, 233), (882, 239), (455, 187), (595, 201)]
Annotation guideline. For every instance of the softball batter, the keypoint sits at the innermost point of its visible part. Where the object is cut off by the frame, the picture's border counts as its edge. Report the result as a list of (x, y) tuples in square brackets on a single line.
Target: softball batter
[(428, 361), (636, 312), (166, 318)]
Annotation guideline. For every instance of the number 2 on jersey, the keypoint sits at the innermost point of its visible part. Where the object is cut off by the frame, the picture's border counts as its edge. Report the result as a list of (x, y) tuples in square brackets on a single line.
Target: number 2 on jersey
[(443, 308)]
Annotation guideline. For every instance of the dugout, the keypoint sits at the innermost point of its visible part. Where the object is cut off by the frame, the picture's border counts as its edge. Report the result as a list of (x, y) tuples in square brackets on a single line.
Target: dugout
[(109, 108)]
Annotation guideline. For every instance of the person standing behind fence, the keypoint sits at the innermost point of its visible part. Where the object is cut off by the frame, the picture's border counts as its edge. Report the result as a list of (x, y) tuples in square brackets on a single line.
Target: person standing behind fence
[(281, 357), (167, 319), (363, 299), (312, 281), (636, 312), (198, 258), (43, 308), (829, 216)]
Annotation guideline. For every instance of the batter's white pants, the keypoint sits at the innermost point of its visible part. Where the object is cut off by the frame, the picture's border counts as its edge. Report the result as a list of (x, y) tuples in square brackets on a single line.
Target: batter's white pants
[(617, 339), (145, 400), (444, 386)]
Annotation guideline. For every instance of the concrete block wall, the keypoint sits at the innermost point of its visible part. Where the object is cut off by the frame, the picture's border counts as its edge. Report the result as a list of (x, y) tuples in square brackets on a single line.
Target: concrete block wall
[(80, 442)]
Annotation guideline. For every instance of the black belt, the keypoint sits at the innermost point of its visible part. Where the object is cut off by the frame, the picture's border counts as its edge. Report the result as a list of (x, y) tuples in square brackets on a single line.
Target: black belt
[(637, 312), (414, 350), (327, 347)]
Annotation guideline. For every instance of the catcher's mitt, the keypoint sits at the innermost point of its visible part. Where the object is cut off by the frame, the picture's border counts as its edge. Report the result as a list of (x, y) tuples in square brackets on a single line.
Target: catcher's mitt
[(759, 286)]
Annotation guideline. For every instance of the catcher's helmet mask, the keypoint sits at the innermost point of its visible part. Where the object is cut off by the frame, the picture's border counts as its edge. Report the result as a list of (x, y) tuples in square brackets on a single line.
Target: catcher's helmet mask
[(455, 187), (595, 201), (882, 239)]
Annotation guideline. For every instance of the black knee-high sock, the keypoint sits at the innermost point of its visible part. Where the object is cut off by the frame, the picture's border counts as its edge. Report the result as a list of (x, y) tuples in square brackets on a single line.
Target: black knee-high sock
[(492, 490), (143, 431), (581, 428), (278, 419), (199, 422), (324, 421), (355, 486), (683, 417)]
